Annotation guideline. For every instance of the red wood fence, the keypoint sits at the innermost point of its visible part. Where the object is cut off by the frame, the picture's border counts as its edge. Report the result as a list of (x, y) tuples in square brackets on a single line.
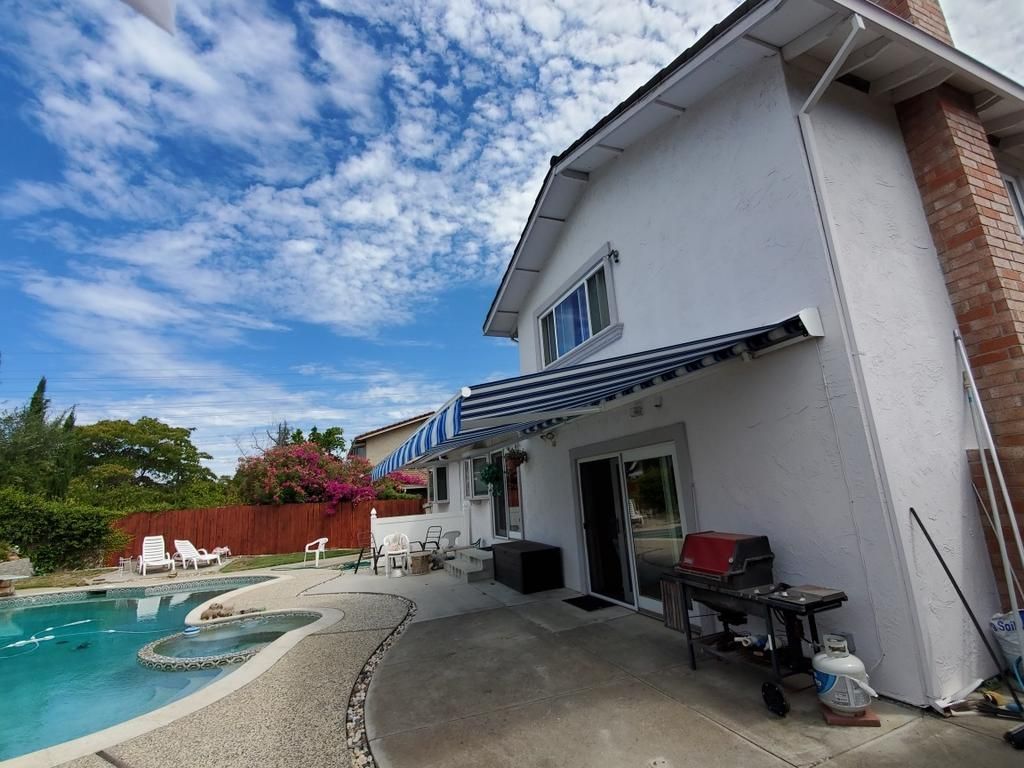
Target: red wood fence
[(263, 529)]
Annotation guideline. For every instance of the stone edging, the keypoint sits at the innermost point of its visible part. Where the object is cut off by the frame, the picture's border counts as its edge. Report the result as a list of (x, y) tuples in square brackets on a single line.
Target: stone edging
[(355, 718), (98, 592), (149, 658)]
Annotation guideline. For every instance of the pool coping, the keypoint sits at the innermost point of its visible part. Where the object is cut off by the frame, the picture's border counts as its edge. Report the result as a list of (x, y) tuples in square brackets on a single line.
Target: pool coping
[(81, 594), (167, 714)]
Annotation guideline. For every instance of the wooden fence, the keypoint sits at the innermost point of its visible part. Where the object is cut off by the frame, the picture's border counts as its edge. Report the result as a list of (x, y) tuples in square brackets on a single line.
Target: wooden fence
[(263, 529)]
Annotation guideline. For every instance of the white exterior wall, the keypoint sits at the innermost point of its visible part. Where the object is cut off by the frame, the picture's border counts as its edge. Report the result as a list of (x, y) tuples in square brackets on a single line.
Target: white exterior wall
[(717, 228), (903, 327), (415, 526), (474, 514)]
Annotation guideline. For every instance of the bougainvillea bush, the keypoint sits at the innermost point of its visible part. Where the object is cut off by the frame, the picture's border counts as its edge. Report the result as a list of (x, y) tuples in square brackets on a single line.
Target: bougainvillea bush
[(295, 474)]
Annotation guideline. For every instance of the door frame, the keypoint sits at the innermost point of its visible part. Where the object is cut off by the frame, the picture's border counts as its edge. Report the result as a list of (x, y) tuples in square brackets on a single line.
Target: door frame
[(686, 491), (625, 530)]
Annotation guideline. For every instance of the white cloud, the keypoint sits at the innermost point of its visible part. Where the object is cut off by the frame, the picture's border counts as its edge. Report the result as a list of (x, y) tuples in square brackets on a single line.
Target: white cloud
[(260, 169)]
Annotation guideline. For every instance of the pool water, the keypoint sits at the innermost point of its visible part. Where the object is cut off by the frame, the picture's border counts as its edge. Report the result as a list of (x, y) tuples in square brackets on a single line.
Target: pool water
[(70, 669), (233, 637)]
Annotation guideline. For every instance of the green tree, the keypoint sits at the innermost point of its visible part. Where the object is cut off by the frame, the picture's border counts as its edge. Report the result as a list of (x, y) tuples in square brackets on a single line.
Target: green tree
[(331, 440), (152, 452), (38, 452)]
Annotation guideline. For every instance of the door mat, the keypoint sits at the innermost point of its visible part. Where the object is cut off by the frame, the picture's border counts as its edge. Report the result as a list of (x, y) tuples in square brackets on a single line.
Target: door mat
[(589, 602)]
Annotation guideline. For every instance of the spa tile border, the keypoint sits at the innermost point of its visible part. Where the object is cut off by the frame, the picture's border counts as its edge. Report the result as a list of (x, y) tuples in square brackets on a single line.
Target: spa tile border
[(149, 658)]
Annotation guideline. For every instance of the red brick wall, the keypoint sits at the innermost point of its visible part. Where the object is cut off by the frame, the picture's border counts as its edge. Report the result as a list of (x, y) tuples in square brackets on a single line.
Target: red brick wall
[(925, 14), (980, 250)]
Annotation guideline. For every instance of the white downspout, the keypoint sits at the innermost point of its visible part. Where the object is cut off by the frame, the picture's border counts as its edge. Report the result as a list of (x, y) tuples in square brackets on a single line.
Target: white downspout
[(856, 24)]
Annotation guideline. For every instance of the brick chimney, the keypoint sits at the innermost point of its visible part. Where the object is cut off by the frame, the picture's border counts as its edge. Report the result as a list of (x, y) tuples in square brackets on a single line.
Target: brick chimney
[(981, 252), (925, 14)]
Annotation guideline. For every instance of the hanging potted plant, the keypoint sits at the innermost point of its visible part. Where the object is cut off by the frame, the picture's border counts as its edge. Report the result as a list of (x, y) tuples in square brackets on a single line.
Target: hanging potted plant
[(491, 474), (514, 457)]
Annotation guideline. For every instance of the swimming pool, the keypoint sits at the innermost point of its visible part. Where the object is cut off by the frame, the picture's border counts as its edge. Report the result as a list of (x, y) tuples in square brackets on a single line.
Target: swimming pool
[(70, 668)]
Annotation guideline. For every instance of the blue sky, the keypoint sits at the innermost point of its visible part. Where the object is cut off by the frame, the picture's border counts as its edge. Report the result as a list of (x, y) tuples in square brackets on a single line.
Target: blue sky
[(299, 211)]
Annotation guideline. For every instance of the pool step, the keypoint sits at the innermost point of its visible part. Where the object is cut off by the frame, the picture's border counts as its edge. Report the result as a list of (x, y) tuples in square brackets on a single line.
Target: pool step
[(471, 565)]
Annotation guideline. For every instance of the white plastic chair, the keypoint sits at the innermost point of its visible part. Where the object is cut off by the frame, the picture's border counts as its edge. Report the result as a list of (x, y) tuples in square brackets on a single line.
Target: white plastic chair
[(186, 552), (396, 545), (317, 549), (154, 553)]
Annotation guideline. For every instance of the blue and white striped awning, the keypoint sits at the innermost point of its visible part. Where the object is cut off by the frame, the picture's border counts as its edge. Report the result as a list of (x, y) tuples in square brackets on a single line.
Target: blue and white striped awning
[(526, 404)]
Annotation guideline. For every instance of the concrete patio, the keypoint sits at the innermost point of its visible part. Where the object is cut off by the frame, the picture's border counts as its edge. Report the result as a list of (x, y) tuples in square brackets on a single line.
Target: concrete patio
[(486, 676), (532, 681)]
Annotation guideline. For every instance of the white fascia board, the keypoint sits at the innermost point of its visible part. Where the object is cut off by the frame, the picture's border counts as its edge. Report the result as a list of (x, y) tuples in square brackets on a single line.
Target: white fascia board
[(737, 31), (894, 27), (510, 272)]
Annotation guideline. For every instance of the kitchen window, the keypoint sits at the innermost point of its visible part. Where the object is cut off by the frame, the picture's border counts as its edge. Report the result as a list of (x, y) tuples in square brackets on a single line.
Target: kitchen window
[(475, 487), (579, 315), (437, 481)]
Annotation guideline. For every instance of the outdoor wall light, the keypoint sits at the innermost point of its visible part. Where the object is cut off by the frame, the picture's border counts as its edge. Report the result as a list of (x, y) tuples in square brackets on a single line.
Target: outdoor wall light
[(549, 437)]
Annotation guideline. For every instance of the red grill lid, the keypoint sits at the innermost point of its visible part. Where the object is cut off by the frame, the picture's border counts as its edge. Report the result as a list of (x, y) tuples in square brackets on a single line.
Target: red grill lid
[(710, 552)]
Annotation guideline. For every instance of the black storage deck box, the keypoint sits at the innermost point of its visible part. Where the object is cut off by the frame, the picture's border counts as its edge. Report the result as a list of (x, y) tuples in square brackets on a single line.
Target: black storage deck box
[(528, 566)]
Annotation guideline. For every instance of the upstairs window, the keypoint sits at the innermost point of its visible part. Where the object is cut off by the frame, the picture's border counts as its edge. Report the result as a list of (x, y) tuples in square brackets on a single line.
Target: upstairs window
[(580, 314), (1013, 189)]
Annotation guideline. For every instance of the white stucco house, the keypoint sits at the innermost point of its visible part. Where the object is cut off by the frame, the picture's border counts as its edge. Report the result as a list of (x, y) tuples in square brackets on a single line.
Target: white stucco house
[(733, 312)]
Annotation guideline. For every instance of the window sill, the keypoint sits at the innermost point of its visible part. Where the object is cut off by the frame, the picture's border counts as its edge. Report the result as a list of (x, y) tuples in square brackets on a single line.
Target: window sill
[(607, 336)]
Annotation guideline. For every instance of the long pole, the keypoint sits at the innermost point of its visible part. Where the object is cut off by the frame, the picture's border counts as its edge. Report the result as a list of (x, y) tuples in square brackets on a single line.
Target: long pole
[(967, 607), (987, 443)]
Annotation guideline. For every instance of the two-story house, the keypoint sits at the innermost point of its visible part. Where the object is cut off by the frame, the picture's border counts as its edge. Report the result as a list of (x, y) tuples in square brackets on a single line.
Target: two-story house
[(735, 301)]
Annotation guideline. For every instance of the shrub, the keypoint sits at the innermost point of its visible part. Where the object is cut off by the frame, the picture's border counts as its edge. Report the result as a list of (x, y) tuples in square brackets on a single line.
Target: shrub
[(293, 474), (56, 534)]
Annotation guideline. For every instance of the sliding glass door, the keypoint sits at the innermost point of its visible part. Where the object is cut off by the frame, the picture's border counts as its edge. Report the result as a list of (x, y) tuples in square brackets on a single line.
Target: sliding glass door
[(632, 523)]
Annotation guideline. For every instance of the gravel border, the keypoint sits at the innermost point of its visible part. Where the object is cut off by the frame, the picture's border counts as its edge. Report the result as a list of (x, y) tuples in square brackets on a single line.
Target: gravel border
[(355, 718)]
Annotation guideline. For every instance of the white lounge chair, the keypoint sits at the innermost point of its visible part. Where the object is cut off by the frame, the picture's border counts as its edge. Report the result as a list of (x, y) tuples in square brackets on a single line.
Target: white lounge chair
[(396, 545), (154, 553), (317, 549), (186, 552)]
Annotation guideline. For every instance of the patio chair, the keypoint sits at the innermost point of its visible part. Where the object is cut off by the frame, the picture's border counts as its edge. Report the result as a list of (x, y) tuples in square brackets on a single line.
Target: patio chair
[(396, 545), (154, 554), (369, 547), (186, 552), (433, 537), (317, 549), (450, 537)]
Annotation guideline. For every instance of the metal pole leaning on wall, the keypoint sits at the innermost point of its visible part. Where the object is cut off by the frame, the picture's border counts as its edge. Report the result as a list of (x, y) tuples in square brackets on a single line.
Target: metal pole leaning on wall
[(986, 443), (970, 612)]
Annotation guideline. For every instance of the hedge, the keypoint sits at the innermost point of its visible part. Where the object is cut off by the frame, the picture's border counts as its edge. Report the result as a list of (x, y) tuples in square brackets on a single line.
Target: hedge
[(57, 534)]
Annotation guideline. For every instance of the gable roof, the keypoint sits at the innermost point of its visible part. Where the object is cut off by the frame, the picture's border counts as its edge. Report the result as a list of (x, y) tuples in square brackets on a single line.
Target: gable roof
[(389, 427), (894, 59)]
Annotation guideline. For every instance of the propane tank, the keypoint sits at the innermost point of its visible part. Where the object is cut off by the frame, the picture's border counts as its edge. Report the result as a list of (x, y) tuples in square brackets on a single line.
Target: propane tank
[(840, 678)]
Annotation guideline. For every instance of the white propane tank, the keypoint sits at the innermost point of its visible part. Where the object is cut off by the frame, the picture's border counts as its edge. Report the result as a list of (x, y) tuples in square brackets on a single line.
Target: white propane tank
[(840, 678)]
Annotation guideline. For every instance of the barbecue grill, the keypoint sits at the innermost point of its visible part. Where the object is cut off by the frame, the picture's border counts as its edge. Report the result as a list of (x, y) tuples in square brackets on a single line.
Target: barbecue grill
[(732, 574)]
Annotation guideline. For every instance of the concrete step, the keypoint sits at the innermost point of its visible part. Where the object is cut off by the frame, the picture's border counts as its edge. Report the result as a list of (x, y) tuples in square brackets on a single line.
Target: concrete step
[(469, 570)]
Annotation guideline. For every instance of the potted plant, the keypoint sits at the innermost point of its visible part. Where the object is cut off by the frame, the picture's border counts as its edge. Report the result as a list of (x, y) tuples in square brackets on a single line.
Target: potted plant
[(491, 474), (514, 457)]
